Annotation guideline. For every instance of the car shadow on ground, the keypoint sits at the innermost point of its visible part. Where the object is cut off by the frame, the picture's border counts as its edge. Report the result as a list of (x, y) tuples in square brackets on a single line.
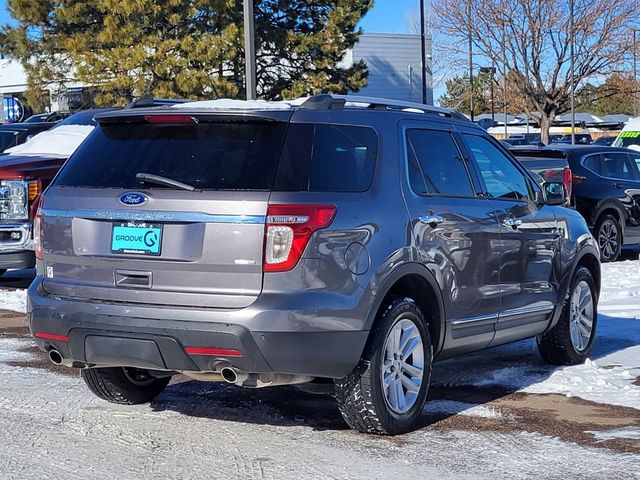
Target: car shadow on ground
[(456, 385)]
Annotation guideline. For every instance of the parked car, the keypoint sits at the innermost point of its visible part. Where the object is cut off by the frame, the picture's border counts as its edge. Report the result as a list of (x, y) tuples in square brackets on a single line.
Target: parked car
[(580, 139), (517, 141), (529, 138), (47, 117), (629, 137), (606, 192), (12, 134), (605, 141), (25, 171), (551, 165), (340, 242)]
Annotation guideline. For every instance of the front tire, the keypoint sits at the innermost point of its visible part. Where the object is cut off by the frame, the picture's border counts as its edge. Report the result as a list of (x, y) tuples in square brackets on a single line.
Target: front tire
[(386, 392), (570, 342), (608, 233), (123, 385)]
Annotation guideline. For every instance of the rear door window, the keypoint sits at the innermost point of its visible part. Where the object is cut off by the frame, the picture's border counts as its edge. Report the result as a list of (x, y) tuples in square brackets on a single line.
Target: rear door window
[(635, 164), (435, 164), (207, 155), (327, 158), (617, 165)]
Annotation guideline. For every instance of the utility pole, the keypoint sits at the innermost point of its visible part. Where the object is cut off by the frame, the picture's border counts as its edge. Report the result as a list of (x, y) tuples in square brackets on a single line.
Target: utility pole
[(249, 50), (573, 82), (423, 53), (471, 102)]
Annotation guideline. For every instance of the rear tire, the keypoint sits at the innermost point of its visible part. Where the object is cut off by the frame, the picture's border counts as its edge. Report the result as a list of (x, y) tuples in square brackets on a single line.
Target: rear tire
[(123, 385), (608, 233), (570, 342), (386, 392)]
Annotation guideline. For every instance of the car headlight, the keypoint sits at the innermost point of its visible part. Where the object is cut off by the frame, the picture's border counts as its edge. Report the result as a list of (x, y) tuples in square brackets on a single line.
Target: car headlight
[(14, 201)]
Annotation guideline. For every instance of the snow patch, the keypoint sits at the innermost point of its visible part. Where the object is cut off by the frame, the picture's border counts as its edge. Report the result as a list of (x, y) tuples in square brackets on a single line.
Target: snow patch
[(452, 407), (15, 300), (615, 433), (231, 104), (60, 141)]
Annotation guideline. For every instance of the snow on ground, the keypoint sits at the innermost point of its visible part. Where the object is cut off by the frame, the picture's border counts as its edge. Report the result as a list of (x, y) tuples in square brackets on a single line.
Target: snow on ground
[(51, 426), (608, 377), (60, 141), (15, 300)]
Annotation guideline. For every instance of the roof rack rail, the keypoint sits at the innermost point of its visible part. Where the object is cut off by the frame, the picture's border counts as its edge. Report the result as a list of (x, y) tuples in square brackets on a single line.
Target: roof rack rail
[(333, 102), (323, 102), (144, 102)]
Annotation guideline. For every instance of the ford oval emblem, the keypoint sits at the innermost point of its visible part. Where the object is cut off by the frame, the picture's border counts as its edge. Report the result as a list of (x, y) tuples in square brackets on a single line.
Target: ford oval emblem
[(133, 199)]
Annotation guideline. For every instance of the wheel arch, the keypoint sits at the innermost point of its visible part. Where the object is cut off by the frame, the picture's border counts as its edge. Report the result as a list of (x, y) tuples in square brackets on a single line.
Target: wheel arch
[(609, 207), (415, 281), (587, 257)]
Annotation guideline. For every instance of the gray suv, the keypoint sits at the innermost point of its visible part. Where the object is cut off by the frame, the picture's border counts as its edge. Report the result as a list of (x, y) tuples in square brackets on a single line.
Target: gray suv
[(339, 242)]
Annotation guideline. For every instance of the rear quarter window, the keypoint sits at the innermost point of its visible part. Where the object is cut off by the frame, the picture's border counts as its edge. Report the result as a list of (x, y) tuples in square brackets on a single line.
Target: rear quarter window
[(327, 158), (592, 162)]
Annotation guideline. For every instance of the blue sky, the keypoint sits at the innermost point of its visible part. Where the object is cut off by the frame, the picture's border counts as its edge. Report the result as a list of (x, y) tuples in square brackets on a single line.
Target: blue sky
[(386, 16)]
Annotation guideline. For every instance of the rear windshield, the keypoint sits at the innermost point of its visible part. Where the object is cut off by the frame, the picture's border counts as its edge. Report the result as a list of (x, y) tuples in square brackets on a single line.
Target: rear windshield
[(227, 156), (209, 156)]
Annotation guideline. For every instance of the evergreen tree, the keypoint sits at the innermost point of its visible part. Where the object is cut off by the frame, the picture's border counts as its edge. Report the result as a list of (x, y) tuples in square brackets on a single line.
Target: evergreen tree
[(185, 48)]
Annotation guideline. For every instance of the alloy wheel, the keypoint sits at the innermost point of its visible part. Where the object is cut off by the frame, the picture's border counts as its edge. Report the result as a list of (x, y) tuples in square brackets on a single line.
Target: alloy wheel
[(402, 366), (608, 239), (581, 316)]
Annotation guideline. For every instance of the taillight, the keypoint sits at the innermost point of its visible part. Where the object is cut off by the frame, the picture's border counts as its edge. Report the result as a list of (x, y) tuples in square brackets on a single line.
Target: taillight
[(38, 232), (288, 230), (567, 180)]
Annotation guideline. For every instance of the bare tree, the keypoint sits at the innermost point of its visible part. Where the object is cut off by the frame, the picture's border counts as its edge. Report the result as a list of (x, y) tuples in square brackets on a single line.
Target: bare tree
[(529, 41)]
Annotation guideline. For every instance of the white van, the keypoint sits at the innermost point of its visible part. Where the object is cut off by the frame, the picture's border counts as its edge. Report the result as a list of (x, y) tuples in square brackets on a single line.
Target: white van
[(630, 135)]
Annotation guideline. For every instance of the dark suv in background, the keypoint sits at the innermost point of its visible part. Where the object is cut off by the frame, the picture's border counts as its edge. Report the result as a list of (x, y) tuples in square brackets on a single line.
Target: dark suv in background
[(337, 242), (605, 190)]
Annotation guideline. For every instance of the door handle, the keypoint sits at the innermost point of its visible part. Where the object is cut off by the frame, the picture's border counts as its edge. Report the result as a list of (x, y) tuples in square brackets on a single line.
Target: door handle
[(512, 222), (618, 185), (431, 219)]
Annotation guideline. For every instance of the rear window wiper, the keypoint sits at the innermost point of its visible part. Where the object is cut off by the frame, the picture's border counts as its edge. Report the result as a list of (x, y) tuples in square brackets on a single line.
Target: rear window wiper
[(159, 180)]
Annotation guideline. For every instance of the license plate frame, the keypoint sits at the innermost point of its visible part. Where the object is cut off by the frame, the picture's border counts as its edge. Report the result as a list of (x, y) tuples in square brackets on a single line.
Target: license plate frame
[(137, 238)]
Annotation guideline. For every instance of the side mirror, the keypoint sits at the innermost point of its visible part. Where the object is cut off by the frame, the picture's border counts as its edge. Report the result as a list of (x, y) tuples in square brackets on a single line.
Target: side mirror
[(553, 193)]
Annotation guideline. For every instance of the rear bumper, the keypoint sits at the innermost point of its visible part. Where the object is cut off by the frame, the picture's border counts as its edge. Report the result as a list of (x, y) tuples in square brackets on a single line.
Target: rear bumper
[(98, 339), (23, 259)]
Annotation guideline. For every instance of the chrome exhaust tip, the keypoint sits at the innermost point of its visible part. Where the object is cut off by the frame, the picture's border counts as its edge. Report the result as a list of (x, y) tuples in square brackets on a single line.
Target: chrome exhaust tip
[(55, 357)]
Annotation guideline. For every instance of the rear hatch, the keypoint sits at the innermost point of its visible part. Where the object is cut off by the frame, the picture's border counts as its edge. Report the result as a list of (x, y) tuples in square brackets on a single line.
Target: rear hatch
[(113, 234), (551, 165)]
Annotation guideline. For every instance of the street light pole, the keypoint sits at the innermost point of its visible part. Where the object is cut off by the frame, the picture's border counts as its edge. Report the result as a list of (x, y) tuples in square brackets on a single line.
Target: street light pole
[(471, 103), (249, 50), (423, 53), (635, 74), (573, 82)]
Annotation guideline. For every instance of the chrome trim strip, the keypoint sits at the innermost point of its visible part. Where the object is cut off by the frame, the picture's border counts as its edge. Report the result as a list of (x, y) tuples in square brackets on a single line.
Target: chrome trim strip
[(525, 311), (154, 216), (480, 318)]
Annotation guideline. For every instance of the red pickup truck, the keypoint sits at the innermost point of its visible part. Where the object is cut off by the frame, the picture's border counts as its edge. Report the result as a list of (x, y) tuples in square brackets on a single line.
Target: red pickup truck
[(25, 171)]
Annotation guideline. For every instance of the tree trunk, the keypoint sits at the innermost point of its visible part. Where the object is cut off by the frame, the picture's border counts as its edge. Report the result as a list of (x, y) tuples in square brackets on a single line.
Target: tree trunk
[(546, 119)]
